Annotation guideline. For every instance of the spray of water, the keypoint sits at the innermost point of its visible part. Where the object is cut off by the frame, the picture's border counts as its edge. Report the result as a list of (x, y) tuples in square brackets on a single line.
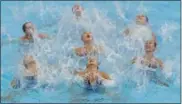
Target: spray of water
[(56, 59)]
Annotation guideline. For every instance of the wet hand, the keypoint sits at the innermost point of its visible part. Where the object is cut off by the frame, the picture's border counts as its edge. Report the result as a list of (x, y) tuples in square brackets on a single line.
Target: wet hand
[(13, 83)]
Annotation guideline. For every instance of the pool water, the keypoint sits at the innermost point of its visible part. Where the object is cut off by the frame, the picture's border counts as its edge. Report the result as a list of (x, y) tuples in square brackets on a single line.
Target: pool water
[(106, 20)]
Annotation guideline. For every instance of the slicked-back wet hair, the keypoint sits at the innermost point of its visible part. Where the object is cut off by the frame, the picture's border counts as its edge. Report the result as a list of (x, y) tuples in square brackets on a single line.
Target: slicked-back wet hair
[(24, 26), (147, 19)]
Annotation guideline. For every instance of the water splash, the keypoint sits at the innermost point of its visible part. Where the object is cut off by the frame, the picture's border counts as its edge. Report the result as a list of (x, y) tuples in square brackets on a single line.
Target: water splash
[(54, 56)]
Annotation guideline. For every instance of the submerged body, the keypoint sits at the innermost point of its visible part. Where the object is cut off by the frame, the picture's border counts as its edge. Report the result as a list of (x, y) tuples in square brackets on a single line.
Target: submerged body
[(149, 63), (29, 74), (92, 76)]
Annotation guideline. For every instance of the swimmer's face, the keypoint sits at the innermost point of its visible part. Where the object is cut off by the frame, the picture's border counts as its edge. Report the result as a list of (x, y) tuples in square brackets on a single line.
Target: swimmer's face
[(77, 10), (87, 37), (150, 46), (141, 19), (28, 60), (92, 62), (29, 29)]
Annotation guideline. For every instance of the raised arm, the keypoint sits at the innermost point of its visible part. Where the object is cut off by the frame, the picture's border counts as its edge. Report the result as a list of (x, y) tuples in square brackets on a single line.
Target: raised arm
[(105, 75), (133, 60)]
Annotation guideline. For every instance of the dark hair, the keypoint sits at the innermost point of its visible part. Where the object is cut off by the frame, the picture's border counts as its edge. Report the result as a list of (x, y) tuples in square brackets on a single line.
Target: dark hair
[(155, 44), (24, 26), (147, 19), (83, 35)]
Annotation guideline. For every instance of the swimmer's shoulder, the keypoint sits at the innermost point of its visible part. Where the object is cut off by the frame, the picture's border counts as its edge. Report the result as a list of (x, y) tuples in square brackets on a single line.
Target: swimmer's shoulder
[(159, 62), (42, 35), (105, 75), (23, 38)]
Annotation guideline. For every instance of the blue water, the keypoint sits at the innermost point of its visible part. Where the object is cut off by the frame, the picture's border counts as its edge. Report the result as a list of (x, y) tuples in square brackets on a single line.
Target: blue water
[(55, 19)]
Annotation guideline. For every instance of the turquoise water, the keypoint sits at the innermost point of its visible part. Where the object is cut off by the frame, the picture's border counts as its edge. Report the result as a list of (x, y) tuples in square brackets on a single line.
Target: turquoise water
[(105, 20)]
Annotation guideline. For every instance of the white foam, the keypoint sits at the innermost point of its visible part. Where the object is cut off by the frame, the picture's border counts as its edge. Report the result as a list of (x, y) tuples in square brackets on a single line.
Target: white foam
[(167, 70), (109, 83), (140, 31)]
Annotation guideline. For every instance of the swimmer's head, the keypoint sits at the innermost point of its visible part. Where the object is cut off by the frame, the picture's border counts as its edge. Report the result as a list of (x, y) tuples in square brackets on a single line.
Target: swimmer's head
[(87, 37), (142, 19), (28, 60), (92, 62), (150, 45), (77, 10), (28, 28)]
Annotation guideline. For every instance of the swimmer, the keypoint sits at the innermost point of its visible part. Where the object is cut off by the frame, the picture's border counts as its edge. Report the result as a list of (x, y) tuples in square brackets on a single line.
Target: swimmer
[(141, 29), (92, 75), (89, 47), (77, 11), (29, 74), (29, 79), (149, 59), (29, 30)]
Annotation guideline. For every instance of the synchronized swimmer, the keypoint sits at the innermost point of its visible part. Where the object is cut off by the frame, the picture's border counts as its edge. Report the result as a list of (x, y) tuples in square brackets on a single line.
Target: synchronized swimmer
[(29, 34), (150, 61), (91, 74), (29, 74), (89, 47), (140, 29)]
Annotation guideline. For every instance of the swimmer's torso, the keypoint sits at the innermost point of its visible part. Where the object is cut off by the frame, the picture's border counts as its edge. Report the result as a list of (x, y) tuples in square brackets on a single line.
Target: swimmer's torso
[(144, 63)]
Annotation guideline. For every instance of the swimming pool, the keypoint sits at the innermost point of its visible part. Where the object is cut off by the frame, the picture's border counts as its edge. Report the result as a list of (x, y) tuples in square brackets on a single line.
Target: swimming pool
[(105, 20)]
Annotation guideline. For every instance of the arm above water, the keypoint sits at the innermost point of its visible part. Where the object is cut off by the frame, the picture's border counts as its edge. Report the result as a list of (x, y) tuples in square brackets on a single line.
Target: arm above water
[(160, 63), (133, 60), (105, 75)]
